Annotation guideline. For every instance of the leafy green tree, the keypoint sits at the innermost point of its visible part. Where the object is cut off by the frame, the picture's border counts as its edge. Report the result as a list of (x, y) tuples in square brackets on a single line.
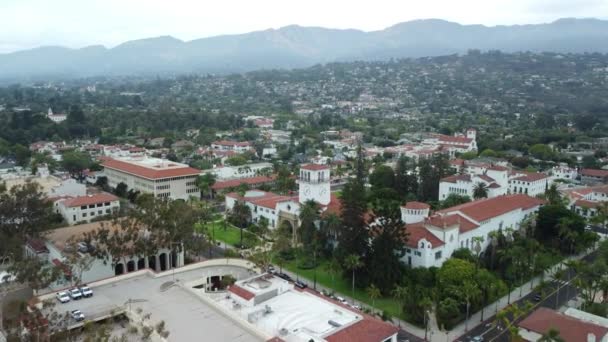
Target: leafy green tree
[(541, 151), (75, 163), (121, 190), (453, 200), (22, 155), (382, 177)]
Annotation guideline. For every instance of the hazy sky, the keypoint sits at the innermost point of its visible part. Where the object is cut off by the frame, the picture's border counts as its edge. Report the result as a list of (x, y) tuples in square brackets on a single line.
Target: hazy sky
[(76, 23)]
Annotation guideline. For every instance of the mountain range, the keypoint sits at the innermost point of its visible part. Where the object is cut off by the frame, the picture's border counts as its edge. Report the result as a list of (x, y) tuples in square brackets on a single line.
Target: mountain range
[(296, 46)]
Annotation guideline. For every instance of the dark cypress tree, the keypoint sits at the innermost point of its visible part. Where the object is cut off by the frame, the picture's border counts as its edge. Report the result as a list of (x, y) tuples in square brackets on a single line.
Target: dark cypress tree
[(354, 237)]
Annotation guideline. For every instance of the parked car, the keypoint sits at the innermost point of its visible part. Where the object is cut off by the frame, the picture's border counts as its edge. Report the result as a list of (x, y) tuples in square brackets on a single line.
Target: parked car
[(284, 276), (86, 291), (75, 293), (301, 284), (63, 297), (341, 300), (6, 277), (537, 297), (477, 339), (77, 315)]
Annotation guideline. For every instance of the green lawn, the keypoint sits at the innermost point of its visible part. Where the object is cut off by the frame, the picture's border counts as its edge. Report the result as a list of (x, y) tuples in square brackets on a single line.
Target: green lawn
[(344, 286), (230, 235)]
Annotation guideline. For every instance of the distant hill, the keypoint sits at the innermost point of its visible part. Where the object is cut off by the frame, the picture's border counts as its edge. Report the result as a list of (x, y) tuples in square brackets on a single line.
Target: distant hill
[(295, 46)]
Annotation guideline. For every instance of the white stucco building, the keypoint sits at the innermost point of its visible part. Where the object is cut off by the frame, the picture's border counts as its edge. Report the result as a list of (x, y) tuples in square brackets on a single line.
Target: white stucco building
[(530, 183), (235, 146), (433, 238), (227, 172), (55, 248), (159, 177), (85, 208), (314, 184)]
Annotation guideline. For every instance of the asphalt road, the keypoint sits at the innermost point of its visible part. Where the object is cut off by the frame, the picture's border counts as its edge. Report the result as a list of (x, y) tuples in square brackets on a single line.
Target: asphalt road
[(555, 299)]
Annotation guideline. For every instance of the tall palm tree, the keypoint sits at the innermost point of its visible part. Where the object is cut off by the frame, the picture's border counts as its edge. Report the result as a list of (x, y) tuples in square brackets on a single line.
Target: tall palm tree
[(373, 292), (470, 292), (205, 182), (334, 268), (552, 335), (400, 294), (557, 277), (480, 190), (353, 262)]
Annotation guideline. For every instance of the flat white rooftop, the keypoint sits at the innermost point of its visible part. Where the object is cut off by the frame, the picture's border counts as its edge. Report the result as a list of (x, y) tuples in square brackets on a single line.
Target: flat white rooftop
[(292, 315), (152, 163)]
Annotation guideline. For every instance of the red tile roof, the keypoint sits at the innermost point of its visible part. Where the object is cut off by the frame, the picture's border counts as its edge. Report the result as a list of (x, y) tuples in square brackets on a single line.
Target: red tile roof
[(66, 270), (89, 199), (532, 177), (455, 178), (464, 225), (486, 178), (451, 139), (334, 206), (241, 292), (416, 205), (266, 199), (366, 330), (417, 232), (498, 168), (570, 329), (149, 172), (232, 143), (586, 204), (37, 245), (314, 167), (236, 182), (594, 173), (487, 208)]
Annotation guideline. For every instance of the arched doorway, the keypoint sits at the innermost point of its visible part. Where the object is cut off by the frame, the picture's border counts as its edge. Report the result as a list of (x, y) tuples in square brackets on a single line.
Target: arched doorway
[(288, 226), (141, 263), (119, 269), (162, 258), (152, 262), (130, 266)]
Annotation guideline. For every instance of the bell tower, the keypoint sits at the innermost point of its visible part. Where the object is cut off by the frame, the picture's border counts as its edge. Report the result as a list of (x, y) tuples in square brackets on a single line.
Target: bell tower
[(315, 184)]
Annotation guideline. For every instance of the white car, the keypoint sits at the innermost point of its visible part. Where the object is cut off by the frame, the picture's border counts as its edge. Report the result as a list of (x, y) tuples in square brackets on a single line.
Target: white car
[(6, 277), (86, 291), (75, 294), (63, 297), (77, 315)]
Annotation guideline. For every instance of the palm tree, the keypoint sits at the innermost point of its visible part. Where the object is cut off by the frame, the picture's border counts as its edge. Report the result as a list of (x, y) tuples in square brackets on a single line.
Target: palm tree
[(333, 267), (400, 294), (309, 216), (352, 263), (205, 182), (470, 293), (552, 335), (602, 214), (557, 277), (476, 242), (373, 292), (480, 190)]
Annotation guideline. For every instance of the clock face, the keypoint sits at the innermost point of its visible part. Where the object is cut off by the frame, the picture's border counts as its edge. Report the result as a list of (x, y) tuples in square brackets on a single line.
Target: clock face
[(323, 192), (306, 191)]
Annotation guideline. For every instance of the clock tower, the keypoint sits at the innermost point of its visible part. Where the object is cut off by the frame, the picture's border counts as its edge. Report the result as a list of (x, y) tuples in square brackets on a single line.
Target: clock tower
[(314, 184)]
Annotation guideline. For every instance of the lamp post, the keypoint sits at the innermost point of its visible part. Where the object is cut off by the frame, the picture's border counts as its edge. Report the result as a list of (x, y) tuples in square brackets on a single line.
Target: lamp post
[(426, 325)]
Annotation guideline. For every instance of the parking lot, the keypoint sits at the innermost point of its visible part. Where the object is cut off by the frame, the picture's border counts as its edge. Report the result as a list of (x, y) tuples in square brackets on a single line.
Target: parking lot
[(187, 318)]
